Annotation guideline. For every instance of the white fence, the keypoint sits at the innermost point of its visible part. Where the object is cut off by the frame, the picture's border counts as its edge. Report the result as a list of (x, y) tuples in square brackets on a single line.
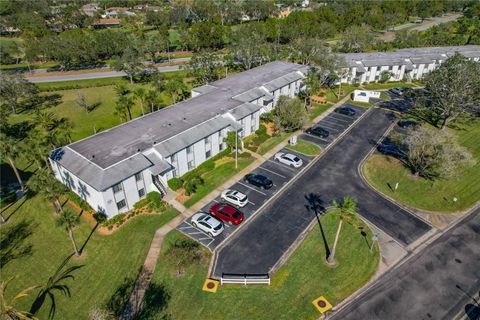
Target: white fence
[(244, 279)]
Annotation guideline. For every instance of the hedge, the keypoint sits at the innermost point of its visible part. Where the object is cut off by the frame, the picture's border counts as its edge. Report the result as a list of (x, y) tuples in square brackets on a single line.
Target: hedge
[(78, 201), (175, 184)]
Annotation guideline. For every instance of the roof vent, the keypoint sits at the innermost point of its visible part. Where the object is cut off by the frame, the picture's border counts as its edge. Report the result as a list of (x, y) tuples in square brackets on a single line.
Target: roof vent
[(93, 156), (184, 119), (169, 124), (138, 150), (154, 142)]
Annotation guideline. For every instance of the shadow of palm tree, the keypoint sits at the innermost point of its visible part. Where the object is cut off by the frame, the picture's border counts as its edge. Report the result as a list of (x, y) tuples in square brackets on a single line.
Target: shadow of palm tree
[(88, 238), (155, 301), (315, 205), (12, 242), (118, 301), (55, 284)]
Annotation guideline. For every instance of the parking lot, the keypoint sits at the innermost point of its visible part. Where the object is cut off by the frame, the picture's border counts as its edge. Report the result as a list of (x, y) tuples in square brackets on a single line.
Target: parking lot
[(279, 173), (335, 124)]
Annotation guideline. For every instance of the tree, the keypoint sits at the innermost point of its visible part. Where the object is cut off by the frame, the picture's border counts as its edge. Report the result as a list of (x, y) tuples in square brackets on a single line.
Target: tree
[(123, 107), (156, 43), (69, 220), (129, 63), (140, 95), (177, 89), (44, 183), (246, 46), (207, 35), (289, 115), (347, 208), (357, 39), (9, 150), (232, 140), (184, 253), (313, 85), (454, 89), (153, 99), (15, 91), (82, 101), (385, 76), (203, 67), (8, 310), (432, 154)]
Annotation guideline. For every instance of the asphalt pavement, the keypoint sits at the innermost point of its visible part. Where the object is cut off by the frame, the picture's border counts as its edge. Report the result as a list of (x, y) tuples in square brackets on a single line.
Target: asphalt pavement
[(256, 248), (438, 283)]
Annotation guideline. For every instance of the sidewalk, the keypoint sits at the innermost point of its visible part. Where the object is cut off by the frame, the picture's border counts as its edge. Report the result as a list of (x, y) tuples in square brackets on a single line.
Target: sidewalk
[(145, 275)]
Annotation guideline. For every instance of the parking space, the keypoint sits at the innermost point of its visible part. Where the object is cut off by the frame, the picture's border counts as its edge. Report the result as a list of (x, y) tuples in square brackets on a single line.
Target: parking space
[(279, 173), (335, 124)]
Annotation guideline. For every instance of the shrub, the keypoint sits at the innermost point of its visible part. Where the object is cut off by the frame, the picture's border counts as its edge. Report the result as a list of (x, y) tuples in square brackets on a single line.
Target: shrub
[(192, 184), (141, 203), (244, 154), (267, 117), (116, 219), (175, 184), (261, 131), (100, 216), (78, 201), (155, 201)]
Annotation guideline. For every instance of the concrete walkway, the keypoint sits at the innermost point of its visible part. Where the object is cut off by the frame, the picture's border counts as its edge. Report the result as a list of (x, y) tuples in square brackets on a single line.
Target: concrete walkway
[(145, 275)]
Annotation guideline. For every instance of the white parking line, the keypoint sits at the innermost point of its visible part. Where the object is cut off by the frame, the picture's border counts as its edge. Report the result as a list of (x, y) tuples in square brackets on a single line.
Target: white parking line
[(195, 232), (282, 164), (318, 138), (251, 203), (278, 174), (335, 129), (200, 239), (339, 119), (247, 186), (332, 123)]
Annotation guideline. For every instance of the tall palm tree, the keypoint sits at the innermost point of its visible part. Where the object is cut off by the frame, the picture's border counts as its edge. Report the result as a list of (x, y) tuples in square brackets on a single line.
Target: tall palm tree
[(44, 183), (347, 208), (140, 94), (152, 98), (45, 120), (55, 283), (68, 220), (8, 151), (8, 310)]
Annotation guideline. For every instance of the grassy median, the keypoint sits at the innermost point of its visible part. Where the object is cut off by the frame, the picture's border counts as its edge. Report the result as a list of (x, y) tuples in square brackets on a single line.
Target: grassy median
[(306, 148), (304, 277)]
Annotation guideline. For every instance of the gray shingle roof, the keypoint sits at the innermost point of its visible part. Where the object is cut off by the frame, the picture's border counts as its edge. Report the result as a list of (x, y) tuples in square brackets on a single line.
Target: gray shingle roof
[(282, 81), (204, 89), (244, 110), (159, 166)]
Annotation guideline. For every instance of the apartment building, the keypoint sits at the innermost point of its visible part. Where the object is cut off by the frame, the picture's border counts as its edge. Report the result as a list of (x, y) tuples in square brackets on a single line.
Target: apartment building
[(114, 169), (409, 64)]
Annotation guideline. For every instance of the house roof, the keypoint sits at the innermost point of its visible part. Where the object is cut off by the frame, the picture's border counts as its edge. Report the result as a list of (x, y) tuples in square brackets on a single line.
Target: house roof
[(107, 21), (173, 128)]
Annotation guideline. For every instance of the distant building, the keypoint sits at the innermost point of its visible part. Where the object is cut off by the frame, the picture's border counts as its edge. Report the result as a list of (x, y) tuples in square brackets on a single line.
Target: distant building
[(106, 23), (409, 64), (90, 9), (114, 169), (118, 11)]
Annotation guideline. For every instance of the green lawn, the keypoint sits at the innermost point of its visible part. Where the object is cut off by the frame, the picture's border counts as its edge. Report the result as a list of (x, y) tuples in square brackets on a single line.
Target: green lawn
[(317, 109), (305, 147), (389, 85), (216, 177), (437, 195), (108, 261), (360, 104), (271, 142), (332, 95), (304, 277)]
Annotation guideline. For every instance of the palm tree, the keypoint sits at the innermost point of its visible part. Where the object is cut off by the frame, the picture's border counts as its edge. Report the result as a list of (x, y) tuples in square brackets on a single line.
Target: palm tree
[(54, 283), (347, 208), (123, 108), (140, 94), (9, 150), (68, 220), (8, 310), (152, 98), (44, 183), (45, 120)]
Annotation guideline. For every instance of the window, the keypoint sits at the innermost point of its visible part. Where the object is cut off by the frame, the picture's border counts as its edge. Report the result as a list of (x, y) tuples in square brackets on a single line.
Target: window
[(174, 158), (121, 204), (117, 188), (189, 149), (208, 140), (191, 165), (175, 173), (141, 193), (208, 154), (138, 176)]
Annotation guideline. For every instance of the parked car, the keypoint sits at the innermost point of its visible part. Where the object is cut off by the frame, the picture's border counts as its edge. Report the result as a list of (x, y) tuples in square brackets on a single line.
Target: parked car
[(234, 197), (288, 159), (318, 131), (407, 124), (390, 150), (258, 180), (346, 111), (207, 223), (227, 213)]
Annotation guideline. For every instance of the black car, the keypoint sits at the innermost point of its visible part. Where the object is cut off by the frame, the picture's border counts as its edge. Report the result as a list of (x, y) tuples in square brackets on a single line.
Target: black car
[(346, 111), (407, 124), (390, 150), (258, 180), (318, 131)]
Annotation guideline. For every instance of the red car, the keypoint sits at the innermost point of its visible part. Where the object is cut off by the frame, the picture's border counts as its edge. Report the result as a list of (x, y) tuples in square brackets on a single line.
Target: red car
[(226, 212)]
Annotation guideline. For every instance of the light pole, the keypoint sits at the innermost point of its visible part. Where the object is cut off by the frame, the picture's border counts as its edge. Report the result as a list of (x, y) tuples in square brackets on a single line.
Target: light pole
[(236, 146)]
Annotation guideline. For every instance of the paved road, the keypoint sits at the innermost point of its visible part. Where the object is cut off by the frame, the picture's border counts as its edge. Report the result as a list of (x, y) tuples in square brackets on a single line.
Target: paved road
[(91, 75), (261, 244), (436, 21), (436, 284)]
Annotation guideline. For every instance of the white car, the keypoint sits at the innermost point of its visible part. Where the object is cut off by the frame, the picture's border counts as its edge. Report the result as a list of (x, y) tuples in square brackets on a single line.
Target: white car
[(288, 159), (235, 197), (207, 223)]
